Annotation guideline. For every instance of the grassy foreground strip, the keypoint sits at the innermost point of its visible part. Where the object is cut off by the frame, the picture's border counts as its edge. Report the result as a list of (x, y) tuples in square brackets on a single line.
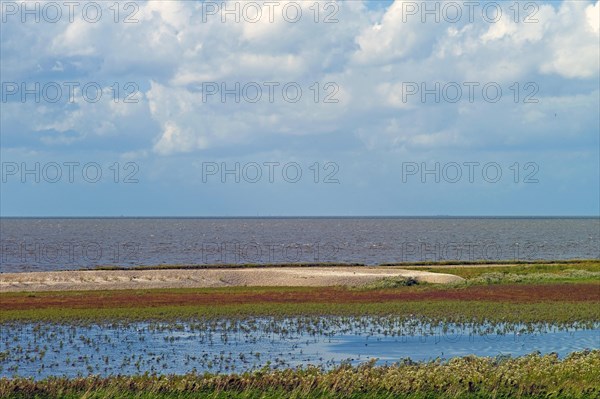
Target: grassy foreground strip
[(435, 311), (531, 376)]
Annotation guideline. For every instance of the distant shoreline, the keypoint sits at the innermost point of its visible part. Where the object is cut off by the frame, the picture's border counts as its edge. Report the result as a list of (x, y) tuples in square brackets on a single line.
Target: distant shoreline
[(314, 217), (203, 266)]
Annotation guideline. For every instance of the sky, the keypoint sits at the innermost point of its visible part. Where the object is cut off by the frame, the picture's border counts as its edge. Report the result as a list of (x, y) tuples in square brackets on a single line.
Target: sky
[(300, 108)]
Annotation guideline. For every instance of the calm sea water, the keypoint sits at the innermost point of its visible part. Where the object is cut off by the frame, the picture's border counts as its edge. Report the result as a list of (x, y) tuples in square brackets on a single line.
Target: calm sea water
[(60, 244)]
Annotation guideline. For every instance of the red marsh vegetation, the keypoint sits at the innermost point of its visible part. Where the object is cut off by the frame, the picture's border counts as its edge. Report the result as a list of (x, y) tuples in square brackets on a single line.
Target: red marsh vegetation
[(518, 293)]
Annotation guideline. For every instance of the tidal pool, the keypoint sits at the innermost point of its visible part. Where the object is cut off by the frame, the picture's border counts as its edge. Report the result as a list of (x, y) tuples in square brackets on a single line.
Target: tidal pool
[(40, 350)]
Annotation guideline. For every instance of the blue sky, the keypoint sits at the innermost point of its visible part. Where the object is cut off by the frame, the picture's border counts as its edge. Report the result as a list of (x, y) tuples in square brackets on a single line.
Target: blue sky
[(362, 138)]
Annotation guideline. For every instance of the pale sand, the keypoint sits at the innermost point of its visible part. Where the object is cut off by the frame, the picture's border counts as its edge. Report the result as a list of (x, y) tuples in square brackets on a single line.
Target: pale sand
[(180, 278)]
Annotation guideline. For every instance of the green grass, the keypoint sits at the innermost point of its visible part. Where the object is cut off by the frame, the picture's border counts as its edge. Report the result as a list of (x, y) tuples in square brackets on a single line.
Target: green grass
[(491, 262), (531, 376), (281, 394), (450, 311), (566, 276), (520, 269)]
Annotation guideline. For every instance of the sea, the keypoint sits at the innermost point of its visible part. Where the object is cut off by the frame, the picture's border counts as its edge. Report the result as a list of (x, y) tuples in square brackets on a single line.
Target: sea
[(47, 244)]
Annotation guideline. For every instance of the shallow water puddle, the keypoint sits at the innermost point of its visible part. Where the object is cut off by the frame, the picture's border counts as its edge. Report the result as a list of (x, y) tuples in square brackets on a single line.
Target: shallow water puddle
[(225, 346)]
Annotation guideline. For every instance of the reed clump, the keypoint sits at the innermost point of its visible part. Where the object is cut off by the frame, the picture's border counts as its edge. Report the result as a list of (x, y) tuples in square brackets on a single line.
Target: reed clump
[(389, 282)]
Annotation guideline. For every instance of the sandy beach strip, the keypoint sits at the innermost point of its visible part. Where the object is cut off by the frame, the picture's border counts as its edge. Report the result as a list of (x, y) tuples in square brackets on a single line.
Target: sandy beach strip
[(197, 278)]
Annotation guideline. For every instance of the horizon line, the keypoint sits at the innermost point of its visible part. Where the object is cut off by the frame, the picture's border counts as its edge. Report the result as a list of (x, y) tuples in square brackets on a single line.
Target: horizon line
[(312, 217)]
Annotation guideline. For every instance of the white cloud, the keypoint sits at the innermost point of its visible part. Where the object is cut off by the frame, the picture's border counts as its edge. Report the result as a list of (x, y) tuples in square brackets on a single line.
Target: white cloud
[(392, 38), (574, 44), (592, 13), (368, 54)]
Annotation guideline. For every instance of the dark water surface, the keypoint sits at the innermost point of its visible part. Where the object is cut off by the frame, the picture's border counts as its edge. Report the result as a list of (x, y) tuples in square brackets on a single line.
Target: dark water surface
[(59, 244)]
